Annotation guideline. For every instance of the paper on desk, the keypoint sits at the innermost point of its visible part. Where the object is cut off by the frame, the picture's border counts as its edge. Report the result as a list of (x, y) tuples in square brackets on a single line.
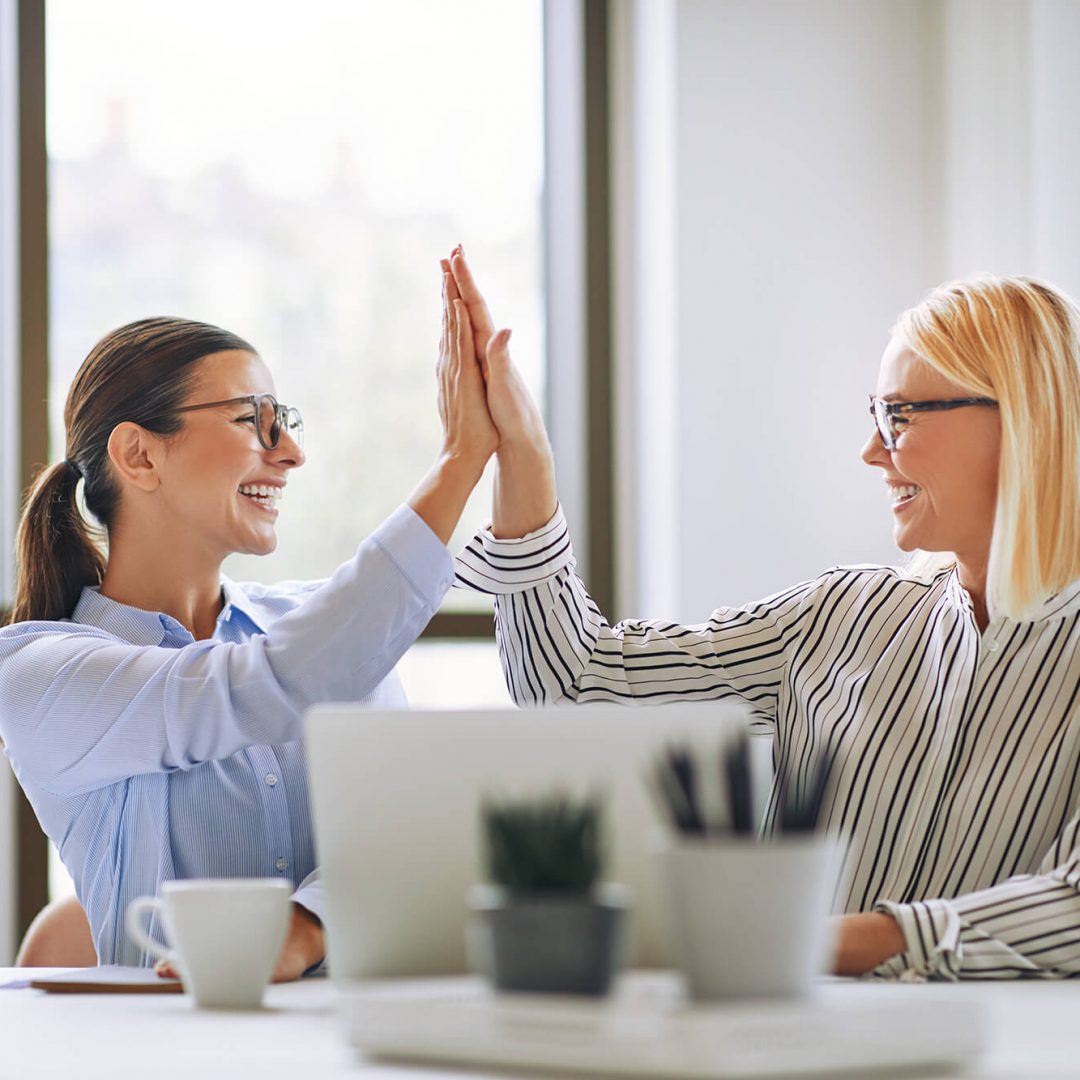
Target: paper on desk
[(111, 979)]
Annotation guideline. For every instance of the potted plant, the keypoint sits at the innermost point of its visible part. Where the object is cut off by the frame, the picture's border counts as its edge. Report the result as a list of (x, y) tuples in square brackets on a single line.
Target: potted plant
[(545, 923)]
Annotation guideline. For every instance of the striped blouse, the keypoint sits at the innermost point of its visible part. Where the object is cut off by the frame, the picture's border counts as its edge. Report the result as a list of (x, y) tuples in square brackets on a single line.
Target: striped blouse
[(955, 781)]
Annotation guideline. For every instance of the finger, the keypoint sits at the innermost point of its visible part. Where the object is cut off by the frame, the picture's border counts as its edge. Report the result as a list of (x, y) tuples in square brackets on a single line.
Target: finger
[(483, 327), (455, 314), (466, 350), (451, 288), (444, 343), (497, 355)]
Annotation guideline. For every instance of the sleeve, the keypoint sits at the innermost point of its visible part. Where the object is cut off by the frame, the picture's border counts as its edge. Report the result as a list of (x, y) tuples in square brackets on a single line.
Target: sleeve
[(1026, 926), (556, 645), (79, 710), (309, 895)]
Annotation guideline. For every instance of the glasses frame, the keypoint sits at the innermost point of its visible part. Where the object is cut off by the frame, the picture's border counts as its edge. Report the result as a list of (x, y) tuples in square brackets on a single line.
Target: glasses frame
[(884, 412), (282, 414)]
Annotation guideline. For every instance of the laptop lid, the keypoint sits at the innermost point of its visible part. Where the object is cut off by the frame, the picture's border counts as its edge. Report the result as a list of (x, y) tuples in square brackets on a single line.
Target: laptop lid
[(396, 797)]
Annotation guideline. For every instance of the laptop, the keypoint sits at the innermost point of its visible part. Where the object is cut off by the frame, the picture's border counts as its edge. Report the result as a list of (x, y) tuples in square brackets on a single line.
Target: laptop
[(396, 796), (396, 799)]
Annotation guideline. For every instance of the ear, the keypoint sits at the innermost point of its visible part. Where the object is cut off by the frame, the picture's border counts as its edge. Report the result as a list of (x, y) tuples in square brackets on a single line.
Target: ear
[(136, 454)]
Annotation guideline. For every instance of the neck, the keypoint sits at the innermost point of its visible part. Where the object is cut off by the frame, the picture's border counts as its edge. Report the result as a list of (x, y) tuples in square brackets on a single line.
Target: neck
[(157, 574), (972, 576)]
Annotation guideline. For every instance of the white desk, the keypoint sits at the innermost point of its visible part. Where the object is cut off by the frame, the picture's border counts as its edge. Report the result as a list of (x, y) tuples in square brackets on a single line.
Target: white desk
[(1034, 1035)]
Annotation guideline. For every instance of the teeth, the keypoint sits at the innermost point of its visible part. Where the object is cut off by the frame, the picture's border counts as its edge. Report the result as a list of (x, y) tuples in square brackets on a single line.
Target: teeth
[(261, 492), (900, 492)]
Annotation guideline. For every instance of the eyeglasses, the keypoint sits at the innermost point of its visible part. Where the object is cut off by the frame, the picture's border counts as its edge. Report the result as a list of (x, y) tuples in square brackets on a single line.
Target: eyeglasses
[(270, 418), (889, 415)]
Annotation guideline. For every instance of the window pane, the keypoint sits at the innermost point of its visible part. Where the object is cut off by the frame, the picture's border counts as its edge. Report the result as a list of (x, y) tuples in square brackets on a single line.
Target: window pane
[(296, 183)]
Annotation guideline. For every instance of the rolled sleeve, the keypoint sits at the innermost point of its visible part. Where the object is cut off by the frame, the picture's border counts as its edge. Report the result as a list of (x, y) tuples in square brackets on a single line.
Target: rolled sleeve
[(310, 896), (931, 930), (503, 567)]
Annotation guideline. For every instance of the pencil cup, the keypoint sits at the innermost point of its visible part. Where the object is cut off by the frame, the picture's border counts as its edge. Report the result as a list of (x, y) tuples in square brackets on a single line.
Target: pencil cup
[(750, 919), (225, 935)]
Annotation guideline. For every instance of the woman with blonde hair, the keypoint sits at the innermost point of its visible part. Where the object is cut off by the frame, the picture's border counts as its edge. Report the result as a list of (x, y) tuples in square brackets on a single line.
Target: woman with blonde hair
[(945, 693)]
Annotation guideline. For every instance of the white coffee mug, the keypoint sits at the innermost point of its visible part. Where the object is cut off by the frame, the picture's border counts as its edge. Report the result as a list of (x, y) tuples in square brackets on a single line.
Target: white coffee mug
[(225, 934)]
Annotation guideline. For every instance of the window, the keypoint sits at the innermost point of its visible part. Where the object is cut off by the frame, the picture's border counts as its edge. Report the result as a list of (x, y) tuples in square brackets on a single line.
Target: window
[(296, 183), (223, 173)]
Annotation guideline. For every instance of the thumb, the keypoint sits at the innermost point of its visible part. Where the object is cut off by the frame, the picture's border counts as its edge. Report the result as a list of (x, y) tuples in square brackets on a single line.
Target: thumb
[(498, 352)]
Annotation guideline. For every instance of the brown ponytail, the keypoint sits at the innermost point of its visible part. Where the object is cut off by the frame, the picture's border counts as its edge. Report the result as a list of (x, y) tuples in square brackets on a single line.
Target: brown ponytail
[(140, 373), (49, 587)]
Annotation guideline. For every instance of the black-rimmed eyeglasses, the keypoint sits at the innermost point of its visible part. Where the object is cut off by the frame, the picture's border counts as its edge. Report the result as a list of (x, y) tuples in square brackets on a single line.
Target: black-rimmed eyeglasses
[(890, 415), (269, 417)]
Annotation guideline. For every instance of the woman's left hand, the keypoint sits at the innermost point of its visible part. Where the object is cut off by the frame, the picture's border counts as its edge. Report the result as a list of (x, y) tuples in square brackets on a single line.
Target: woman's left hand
[(865, 940), (305, 946)]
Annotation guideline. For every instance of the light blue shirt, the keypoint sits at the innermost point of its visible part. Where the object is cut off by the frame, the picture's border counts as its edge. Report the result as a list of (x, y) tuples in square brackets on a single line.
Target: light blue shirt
[(150, 756)]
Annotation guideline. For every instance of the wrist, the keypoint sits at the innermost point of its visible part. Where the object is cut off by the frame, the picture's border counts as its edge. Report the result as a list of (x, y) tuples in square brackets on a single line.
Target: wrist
[(525, 453), (460, 466), (307, 929)]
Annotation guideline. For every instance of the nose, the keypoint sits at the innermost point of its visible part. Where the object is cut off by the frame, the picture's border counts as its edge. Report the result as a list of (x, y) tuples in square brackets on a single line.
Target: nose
[(288, 452), (874, 452)]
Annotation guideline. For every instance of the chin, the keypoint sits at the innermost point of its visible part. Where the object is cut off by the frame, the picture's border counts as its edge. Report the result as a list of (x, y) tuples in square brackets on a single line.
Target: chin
[(261, 547)]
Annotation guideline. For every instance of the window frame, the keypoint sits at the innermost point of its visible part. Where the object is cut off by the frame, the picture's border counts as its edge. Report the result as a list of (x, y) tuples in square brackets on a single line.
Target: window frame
[(29, 297), (577, 238)]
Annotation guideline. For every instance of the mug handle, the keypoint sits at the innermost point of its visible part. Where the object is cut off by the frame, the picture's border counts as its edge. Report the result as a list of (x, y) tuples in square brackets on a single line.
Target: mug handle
[(136, 909)]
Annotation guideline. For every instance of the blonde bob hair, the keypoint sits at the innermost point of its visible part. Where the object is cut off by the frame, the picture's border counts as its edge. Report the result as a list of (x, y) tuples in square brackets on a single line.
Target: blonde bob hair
[(1016, 340)]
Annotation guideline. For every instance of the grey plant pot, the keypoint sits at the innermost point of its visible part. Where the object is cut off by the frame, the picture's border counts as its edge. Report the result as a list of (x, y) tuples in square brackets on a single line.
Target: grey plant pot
[(550, 943)]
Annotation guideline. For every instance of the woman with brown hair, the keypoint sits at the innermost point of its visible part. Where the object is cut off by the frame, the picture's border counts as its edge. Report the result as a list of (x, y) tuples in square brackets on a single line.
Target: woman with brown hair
[(151, 709)]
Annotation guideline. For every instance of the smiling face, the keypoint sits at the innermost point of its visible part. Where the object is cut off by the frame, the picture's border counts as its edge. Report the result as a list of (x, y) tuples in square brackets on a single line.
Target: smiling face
[(213, 471), (942, 476)]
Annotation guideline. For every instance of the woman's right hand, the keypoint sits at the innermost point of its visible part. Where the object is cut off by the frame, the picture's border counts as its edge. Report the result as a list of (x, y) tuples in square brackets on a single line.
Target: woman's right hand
[(525, 496), (469, 435)]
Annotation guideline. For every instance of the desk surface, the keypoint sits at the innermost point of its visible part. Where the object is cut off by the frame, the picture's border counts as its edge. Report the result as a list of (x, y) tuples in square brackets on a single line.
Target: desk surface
[(1034, 1032)]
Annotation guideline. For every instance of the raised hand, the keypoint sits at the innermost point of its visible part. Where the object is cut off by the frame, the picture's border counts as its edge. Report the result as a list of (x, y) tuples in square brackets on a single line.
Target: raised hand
[(469, 435), (468, 430), (525, 496)]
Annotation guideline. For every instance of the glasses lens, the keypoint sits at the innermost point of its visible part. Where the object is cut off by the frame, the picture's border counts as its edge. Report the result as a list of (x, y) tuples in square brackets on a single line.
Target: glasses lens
[(268, 422), (294, 427), (884, 424)]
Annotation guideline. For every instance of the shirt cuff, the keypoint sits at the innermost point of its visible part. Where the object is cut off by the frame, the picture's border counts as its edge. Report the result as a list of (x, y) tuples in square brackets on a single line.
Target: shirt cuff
[(931, 930), (417, 552), (501, 567)]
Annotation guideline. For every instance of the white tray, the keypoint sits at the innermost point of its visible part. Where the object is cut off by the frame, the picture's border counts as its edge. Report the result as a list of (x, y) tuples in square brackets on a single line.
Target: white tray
[(647, 1028)]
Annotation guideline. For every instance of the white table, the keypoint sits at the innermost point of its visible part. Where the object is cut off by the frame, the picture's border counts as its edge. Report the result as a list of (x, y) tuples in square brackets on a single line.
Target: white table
[(1034, 1034)]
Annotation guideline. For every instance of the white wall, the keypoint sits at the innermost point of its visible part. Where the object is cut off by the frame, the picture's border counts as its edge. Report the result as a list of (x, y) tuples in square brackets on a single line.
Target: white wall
[(829, 161)]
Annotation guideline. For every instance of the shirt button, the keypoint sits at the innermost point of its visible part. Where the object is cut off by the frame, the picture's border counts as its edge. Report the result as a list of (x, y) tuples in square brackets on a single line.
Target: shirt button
[(992, 646), (281, 863), (270, 779)]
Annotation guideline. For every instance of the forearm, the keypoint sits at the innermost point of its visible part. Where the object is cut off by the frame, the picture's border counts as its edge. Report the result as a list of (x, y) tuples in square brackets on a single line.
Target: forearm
[(439, 499), (865, 940), (1027, 926), (525, 497)]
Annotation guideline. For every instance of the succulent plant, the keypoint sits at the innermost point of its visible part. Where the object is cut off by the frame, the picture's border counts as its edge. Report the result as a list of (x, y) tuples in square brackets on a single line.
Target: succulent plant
[(546, 844)]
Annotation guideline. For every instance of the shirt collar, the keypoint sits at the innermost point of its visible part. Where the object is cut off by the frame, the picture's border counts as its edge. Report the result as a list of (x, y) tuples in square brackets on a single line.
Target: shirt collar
[(1064, 602), (139, 627), (236, 598), (131, 624)]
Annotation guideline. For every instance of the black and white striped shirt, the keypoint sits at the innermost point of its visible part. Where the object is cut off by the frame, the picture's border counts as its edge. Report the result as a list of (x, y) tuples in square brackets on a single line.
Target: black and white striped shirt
[(955, 777)]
